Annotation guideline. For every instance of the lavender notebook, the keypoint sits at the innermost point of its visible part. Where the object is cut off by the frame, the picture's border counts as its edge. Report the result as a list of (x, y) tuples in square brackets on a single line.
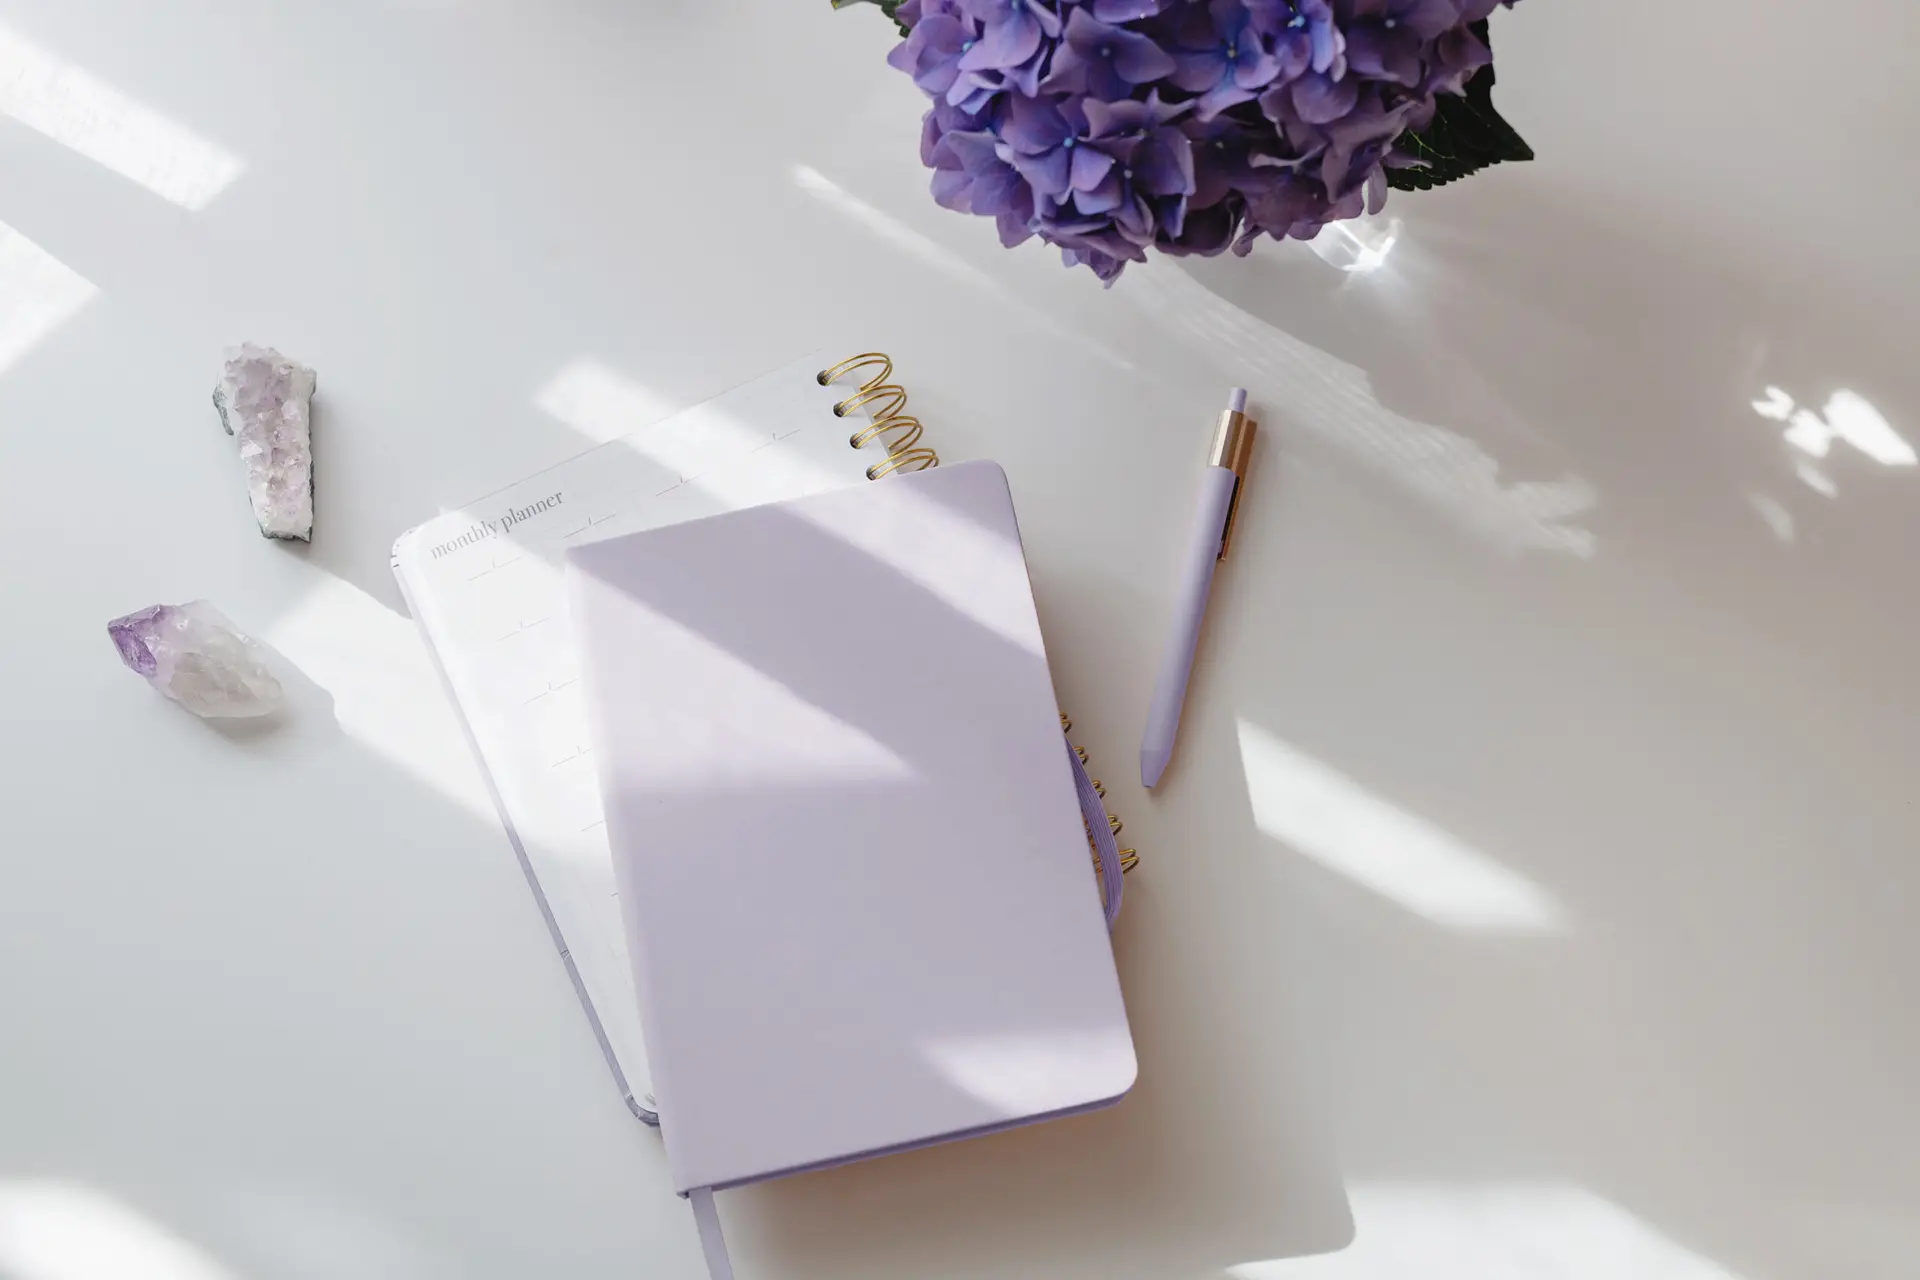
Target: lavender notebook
[(852, 867)]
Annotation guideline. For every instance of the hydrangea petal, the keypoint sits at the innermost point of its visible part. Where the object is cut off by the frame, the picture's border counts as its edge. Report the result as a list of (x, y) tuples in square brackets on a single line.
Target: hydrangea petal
[(1127, 10), (1139, 59), (1090, 167), (1004, 44), (1318, 100)]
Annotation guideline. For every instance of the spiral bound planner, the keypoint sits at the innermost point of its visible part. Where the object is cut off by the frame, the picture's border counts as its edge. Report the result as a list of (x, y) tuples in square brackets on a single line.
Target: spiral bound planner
[(485, 585)]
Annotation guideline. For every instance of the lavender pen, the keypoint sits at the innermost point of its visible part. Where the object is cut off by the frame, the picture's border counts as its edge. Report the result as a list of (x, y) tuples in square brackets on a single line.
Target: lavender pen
[(1220, 487)]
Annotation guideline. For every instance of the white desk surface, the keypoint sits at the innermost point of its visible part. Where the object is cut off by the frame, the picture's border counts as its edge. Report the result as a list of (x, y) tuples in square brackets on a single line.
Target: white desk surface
[(1534, 888)]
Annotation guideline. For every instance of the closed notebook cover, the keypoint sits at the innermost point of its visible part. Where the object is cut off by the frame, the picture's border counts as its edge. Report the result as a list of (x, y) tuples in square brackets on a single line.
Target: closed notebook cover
[(852, 866)]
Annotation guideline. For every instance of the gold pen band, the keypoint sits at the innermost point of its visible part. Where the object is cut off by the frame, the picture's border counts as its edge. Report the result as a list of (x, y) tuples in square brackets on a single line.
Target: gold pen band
[(1233, 442), (1233, 449)]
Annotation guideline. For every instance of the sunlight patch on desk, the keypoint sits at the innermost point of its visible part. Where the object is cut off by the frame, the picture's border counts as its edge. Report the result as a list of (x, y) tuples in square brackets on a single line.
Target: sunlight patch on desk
[(1815, 477), (891, 230), (59, 1230), (386, 693), (1848, 416), (1517, 1231), (1328, 817), (1853, 418), (1773, 514), (1335, 401), (38, 293), (53, 97)]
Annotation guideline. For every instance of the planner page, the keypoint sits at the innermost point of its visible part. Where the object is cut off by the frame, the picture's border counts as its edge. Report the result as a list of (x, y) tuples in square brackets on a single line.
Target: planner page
[(486, 587)]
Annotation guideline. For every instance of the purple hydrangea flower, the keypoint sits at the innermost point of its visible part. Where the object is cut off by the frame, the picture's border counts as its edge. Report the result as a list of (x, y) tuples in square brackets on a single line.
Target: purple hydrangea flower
[(1456, 56), (931, 54), (1010, 32), (1228, 60), (1385, 38), (1046, 143), (971, 175), (1358, 143), (1303, 34), (1098, 60), (1227, 156), (1110, 127), (1313, 100), (1146, 187), (1295, 206)]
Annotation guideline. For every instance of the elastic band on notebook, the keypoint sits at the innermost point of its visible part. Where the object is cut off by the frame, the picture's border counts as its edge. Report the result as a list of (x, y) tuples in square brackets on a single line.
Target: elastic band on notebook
[(712, 1242)]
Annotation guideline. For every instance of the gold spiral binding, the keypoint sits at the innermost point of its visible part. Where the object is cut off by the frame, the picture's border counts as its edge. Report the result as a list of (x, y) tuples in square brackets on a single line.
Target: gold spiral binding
[(885, 404), (911, 460), (851, 363), (909, 428), (1129, 858)]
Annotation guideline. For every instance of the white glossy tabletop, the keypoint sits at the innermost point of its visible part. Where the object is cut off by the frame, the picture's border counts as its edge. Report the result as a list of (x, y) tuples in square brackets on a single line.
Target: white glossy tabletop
[(1533, 890)]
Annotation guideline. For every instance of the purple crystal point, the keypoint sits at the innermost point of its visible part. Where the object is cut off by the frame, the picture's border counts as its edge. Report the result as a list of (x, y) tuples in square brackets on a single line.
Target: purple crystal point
[(127, 632), (192, 654)]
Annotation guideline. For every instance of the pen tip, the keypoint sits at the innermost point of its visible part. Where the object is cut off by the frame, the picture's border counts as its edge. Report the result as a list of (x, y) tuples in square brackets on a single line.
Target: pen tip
[(1152, 765), (1237, 401)]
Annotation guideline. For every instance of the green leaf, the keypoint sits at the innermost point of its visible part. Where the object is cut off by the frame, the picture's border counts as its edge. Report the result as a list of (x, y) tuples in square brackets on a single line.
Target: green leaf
[(1466, 136), (886, 6)]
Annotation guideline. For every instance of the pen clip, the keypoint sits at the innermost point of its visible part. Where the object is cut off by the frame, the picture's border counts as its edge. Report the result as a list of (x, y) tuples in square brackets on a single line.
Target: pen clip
[(1233, 449)]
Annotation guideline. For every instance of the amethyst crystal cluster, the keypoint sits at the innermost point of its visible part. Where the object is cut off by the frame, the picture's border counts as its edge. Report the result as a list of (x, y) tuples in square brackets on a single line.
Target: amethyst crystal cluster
[(264, 401), (1108, 127)]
